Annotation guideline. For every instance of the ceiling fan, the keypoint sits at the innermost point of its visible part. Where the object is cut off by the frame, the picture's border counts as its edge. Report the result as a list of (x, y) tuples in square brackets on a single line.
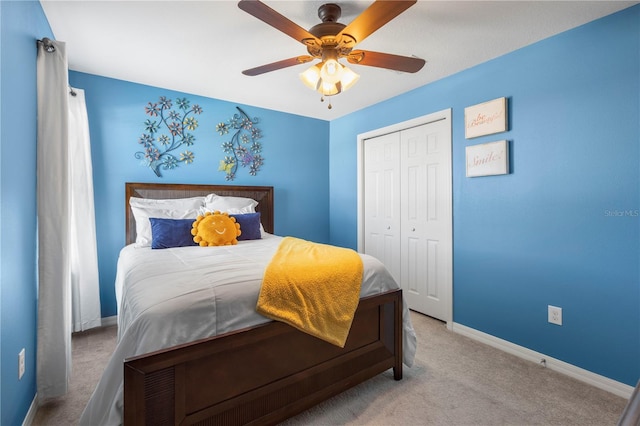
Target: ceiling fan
[(331, 40)]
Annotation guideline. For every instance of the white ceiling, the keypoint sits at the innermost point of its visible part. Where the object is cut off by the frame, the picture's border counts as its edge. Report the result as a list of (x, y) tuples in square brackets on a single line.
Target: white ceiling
[(201, 47)]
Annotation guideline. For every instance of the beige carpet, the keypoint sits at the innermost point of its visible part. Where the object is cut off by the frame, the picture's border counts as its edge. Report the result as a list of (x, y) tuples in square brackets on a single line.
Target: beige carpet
[(91, 352), (455, 381)]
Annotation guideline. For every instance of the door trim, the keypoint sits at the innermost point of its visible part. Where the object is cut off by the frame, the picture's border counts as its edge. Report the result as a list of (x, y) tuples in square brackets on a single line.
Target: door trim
[(445, 114)]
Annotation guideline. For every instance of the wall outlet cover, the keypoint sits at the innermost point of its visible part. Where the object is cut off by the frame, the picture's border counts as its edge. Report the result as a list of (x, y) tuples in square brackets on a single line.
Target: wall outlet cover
[(555, 315), (21, 365)]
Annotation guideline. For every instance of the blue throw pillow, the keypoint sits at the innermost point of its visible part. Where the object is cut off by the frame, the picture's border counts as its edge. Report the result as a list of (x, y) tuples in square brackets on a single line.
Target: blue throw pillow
[(167, 233), (249, 226)]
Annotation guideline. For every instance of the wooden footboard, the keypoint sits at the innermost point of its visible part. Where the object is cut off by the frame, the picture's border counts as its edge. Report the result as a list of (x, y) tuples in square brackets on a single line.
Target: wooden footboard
[(263, 374)]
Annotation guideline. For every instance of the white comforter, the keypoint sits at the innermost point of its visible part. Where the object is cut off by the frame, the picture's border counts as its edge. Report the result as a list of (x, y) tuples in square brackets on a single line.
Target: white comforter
[(173, 296)]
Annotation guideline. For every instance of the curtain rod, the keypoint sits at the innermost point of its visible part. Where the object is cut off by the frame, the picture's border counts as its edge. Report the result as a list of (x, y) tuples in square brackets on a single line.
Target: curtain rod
[(48, 44)]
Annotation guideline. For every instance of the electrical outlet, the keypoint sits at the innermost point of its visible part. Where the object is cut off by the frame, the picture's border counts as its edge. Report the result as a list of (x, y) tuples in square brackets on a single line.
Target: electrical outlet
[(555, 315), (21, 364)]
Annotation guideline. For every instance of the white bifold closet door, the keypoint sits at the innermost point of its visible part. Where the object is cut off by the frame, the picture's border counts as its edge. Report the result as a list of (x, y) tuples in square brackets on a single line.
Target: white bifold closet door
[(407, 212)]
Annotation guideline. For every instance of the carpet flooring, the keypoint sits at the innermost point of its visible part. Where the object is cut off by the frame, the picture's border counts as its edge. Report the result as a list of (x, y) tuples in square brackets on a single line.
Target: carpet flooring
[(455, 381)]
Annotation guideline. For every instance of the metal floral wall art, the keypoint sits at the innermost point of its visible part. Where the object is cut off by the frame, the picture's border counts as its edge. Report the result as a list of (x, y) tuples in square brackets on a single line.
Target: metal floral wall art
[(165, 138), (244, 148)]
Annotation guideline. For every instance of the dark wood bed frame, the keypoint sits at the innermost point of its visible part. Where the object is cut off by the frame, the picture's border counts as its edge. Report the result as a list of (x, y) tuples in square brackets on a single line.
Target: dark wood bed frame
[(257, 375)]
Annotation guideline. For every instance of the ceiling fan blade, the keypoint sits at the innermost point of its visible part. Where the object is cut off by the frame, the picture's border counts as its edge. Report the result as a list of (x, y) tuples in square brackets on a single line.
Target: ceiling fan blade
[(278, 21), (386, 60), (374, 17), (278, 65)]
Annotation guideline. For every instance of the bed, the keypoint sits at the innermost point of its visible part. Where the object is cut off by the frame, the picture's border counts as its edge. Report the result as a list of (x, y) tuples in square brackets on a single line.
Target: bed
[(176, 363)]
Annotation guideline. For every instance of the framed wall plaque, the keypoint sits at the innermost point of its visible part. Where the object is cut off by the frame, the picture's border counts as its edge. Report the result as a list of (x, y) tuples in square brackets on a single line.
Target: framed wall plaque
[(486, 118), (487, 159)]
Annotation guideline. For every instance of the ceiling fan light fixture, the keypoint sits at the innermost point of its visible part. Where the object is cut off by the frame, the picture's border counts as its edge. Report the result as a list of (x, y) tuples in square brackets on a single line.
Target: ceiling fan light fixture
[(314, 78), (347, 79)]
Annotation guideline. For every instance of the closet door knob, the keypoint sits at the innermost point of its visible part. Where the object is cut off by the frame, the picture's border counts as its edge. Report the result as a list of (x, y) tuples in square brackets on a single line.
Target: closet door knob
[(414, 229), (388, 227)]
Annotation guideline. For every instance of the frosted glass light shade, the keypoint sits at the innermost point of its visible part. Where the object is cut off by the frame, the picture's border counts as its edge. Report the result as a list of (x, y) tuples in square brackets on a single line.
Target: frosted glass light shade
[(311, 77), (348, 79), (330, 89)]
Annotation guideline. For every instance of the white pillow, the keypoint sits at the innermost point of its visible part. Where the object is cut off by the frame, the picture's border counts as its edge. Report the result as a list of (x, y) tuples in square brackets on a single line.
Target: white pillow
[(232, 205), (168, 203), (204, 210), (145, 208)]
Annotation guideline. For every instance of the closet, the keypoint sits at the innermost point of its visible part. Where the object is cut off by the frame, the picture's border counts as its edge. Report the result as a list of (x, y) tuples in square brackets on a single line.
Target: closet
[(405, 218)]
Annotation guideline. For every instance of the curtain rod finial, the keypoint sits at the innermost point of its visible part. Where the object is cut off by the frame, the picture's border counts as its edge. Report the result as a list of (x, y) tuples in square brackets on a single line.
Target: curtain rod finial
[(48, 44)]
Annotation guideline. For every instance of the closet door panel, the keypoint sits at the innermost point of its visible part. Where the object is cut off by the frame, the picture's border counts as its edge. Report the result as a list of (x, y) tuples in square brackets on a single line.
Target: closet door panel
[(382, 201), (425, 217), (414, 209)]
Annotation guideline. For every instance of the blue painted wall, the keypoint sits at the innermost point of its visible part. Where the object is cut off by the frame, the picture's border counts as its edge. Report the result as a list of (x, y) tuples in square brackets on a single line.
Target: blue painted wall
[(22, 22), (563, 227), (295, 149)]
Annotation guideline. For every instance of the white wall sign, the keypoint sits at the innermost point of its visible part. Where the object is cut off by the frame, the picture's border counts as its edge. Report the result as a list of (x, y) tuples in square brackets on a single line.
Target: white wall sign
[(485, 118), (488, 159)]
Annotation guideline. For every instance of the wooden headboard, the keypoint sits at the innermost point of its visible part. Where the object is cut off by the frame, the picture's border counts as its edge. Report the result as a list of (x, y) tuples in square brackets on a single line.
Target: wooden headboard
[(262, 194)]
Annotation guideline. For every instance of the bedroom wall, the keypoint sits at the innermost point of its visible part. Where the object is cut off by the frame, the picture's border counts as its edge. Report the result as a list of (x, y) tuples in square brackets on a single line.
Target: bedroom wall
[(547, 233), (562, 228), (21, 23), (295, 151)]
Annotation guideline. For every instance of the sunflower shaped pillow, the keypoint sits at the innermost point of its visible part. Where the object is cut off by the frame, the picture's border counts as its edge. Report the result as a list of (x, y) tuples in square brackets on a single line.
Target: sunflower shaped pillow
[(215, 229)]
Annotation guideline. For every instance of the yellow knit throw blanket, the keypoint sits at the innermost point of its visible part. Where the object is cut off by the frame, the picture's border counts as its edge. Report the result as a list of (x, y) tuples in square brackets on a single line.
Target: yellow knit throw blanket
[(312, 287)]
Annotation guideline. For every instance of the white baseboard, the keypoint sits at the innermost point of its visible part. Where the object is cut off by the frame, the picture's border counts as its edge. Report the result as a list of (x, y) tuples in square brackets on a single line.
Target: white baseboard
[(596, 380), (108, 321), (31, 414)]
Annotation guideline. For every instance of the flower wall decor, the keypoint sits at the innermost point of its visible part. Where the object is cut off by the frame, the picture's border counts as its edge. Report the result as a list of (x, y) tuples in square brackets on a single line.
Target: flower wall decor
[(170, 133), (244, 148)]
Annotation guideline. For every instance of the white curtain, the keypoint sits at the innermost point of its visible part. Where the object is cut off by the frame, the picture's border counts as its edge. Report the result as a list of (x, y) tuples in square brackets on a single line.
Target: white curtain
[(83, 255), (59, 167)]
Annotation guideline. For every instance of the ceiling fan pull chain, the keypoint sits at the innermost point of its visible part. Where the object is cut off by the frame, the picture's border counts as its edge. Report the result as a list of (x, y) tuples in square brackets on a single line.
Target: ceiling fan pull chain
[(322, 100)]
